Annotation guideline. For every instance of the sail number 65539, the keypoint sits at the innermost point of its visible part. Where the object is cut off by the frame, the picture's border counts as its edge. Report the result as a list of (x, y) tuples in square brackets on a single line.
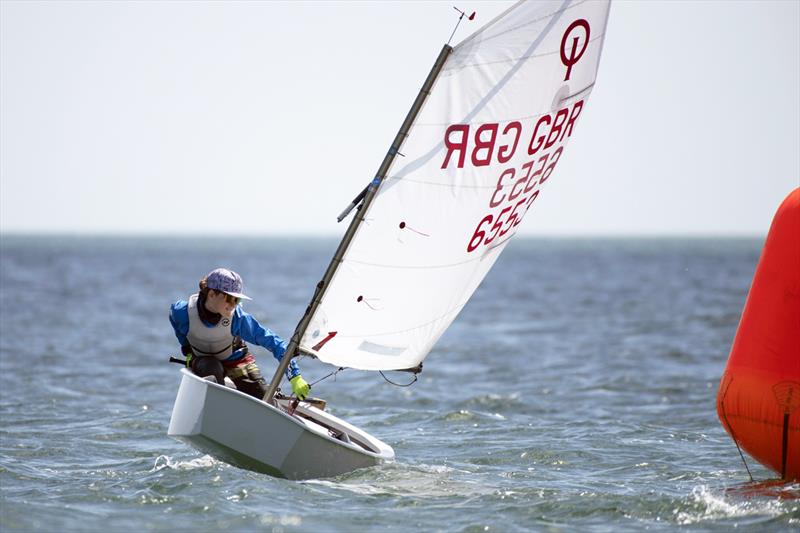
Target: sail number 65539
[(532, 174)]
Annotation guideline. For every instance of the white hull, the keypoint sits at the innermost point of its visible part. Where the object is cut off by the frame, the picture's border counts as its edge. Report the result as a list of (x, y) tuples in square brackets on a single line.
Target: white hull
[(248, 433)]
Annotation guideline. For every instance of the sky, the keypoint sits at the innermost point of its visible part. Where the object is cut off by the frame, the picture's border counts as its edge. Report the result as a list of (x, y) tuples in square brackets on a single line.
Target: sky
[(267, 118)]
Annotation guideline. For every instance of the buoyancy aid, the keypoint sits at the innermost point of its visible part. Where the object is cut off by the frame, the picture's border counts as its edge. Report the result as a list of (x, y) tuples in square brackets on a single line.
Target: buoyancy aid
[(216, 341)]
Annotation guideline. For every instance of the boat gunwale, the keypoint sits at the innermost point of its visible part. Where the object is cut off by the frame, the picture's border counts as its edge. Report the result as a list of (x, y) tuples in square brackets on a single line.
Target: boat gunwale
[(379, 449)]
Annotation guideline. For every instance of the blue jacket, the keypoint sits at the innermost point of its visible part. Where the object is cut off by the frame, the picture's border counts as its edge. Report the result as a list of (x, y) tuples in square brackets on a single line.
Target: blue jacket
[(242, 325)]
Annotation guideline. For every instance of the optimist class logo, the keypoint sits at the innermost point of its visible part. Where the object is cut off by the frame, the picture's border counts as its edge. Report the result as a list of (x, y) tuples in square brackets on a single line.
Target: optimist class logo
[(574, 54)]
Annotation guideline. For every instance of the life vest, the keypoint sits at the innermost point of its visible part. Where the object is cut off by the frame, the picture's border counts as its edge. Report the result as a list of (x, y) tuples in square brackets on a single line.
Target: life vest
[(216, 341)]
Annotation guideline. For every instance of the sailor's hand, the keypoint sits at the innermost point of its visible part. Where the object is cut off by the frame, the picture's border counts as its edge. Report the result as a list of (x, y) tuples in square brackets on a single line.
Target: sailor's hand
[(299, 387)]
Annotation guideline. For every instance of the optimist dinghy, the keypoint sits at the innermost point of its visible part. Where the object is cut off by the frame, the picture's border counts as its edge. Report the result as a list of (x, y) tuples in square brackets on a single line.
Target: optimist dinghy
[(486, 131), (295, 442)]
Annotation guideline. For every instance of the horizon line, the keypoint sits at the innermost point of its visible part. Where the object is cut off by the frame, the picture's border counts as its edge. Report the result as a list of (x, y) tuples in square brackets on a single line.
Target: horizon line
[(234, 235)]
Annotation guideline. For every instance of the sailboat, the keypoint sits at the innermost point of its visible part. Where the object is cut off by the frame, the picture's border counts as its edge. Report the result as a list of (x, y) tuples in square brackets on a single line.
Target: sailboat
[(483, 137)]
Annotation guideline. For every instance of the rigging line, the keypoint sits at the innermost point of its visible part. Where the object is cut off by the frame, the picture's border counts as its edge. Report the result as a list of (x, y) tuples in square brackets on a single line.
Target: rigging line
[(398, 384), (463, 14), (341, 368)]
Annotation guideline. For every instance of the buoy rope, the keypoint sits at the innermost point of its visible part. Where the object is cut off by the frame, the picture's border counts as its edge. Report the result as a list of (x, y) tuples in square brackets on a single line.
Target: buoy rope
[(730, 429), (737, 445)]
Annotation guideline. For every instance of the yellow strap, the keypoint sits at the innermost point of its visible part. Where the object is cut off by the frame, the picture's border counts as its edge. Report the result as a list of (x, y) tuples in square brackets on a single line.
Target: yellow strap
[(236, 372)]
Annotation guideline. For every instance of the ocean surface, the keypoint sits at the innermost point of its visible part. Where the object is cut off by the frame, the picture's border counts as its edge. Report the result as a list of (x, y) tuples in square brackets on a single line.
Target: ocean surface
[(575, 392)]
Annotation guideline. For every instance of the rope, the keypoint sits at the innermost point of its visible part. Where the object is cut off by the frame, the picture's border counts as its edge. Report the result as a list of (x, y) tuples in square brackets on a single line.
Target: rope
[(398, 384), (730, 429), (329, 375), (737, 446), (341, 368)]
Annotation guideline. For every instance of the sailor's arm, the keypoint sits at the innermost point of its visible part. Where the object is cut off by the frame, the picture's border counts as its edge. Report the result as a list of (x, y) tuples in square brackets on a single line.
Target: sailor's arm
[(248, 328), (179, 318)]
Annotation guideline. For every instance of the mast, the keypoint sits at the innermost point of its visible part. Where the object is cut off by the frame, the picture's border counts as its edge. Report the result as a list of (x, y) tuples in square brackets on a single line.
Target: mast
[(368, 196)]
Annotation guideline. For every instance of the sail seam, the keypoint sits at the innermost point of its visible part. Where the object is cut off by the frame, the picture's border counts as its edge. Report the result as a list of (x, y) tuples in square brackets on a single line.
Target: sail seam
[(357, 336), (501, 121), (453, 185), (431, 267), (459, 68), (411, 267)]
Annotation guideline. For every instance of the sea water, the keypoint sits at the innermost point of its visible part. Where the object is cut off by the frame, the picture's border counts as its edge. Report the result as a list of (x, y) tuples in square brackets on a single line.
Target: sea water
[(575, 392)]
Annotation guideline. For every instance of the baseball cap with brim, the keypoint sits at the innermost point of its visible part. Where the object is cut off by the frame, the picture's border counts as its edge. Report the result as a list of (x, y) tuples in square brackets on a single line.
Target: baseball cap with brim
[(227, 281)]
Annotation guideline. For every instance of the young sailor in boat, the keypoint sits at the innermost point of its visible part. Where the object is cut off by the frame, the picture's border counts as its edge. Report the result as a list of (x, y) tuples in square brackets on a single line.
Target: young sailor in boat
[(212, 329)]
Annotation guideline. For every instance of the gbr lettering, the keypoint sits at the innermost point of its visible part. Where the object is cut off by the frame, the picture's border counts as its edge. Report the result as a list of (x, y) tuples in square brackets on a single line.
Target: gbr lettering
[(490, 143)]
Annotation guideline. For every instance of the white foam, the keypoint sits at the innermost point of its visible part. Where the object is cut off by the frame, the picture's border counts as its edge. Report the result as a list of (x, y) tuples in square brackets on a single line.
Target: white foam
[(714, 506), (165, 461)]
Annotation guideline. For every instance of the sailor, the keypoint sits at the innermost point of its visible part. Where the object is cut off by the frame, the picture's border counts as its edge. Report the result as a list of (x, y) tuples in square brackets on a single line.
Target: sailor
[(212, 329)]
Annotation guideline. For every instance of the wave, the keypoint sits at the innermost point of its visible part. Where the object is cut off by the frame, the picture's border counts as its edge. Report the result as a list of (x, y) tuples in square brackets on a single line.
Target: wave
[(165, 461)]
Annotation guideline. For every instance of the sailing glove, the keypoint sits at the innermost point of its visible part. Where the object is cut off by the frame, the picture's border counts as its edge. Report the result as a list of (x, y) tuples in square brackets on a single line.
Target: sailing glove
[(299, 387)]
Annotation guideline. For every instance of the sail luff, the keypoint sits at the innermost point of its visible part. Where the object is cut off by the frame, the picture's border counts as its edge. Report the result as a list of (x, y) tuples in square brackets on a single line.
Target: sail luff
[(294, 343)]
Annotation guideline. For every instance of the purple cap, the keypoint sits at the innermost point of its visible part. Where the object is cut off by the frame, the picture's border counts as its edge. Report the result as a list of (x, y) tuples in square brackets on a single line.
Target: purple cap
[(226, 281)]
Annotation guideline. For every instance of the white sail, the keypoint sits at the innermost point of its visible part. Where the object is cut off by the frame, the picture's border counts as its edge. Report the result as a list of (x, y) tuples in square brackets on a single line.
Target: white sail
[(477, 158)]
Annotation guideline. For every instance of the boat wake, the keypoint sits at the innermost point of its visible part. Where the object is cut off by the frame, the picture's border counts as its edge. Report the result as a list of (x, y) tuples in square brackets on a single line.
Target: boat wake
[(165, 461), (705, 505), (404, 480)]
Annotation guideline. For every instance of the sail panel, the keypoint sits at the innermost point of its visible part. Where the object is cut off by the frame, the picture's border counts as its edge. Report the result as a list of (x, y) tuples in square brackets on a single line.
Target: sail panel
[(477, 159)]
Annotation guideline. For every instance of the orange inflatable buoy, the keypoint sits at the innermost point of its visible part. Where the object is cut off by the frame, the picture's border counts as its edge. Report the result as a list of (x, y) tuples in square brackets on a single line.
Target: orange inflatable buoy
[(758, 401)]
